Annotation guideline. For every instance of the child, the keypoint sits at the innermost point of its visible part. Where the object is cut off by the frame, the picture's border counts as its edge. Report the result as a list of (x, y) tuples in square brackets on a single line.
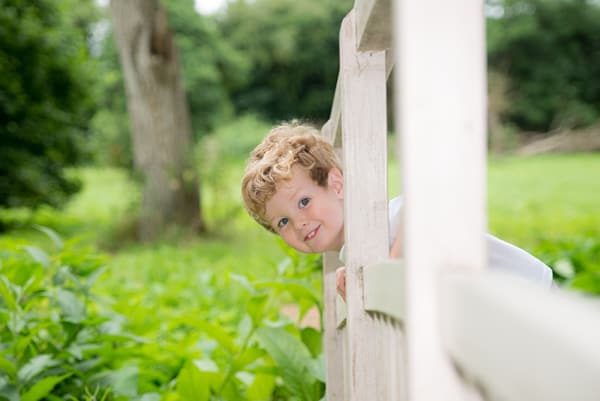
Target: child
[(294, 187)]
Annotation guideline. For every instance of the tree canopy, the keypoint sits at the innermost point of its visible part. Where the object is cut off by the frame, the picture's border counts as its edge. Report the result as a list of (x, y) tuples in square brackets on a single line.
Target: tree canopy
[(45, 99), (550, 52), (292, 48)]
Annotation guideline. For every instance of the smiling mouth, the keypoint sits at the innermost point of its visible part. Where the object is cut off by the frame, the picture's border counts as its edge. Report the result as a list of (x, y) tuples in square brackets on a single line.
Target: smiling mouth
[(312, 234)]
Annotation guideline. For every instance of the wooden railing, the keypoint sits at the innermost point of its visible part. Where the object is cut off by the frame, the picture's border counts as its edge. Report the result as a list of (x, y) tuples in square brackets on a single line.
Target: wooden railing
[(436, 325)]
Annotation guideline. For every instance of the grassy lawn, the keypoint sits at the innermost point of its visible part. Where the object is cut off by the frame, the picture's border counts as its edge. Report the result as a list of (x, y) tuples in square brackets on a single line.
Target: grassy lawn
[(541, 198), (549, 197)]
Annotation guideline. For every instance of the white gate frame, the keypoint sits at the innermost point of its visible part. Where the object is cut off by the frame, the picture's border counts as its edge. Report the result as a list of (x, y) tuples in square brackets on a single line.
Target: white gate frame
[(438, 325)]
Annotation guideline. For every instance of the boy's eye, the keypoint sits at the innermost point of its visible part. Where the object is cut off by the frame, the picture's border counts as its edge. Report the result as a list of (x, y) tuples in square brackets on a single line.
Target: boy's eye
[(303, 202), (282, 222)]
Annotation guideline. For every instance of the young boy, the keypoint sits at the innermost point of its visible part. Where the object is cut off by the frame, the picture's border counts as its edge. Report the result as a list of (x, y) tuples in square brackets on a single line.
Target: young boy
[(294, 187)]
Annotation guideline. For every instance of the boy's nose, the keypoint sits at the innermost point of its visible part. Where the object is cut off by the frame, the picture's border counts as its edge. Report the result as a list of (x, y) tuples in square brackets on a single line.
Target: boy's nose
[(300, 222)]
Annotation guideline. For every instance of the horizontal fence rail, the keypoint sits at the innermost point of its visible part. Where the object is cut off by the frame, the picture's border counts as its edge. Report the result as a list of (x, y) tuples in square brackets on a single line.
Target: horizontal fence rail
[(519, 342)]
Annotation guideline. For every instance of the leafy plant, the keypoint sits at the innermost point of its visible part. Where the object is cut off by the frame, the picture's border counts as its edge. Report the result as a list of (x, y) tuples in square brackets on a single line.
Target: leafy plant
[(258, 353), (57, 339), (575, 262)]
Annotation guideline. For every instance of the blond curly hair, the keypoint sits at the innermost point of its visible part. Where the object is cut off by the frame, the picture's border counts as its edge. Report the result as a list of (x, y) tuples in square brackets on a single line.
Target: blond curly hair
[(270, 163)]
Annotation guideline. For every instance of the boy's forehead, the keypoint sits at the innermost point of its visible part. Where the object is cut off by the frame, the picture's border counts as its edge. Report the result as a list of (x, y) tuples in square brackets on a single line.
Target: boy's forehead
[(299, 177)]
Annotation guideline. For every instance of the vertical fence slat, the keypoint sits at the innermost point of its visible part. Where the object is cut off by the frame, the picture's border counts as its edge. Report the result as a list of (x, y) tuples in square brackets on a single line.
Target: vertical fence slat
[(364, 129), (440, 114), (333, 342)]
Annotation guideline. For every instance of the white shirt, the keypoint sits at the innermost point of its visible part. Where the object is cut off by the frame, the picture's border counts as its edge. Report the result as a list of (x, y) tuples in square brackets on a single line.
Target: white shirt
[(501, 255)]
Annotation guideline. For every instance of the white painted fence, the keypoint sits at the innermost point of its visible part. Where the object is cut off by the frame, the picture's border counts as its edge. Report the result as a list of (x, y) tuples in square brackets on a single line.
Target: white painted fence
[(438, 325)]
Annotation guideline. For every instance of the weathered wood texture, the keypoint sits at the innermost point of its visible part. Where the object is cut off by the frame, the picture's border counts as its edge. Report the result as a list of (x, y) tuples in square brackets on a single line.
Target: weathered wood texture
[(333, 342), (364, 131), (332, 130)]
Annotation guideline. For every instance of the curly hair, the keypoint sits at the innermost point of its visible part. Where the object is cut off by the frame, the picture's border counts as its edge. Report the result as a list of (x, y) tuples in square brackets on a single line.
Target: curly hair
[(271, 163)]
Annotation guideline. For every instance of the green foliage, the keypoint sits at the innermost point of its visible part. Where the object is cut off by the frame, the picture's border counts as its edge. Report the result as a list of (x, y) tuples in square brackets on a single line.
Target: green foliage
[(57, 337), (209, 63), (547, 205), (575, 261), (217, 328), (209, 309), (292, 49), (549, 51), (44, 100), (218, 158), (110, 142)]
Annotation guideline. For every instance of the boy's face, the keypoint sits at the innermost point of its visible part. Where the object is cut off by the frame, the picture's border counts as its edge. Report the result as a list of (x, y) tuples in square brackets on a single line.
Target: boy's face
[(308, 217)]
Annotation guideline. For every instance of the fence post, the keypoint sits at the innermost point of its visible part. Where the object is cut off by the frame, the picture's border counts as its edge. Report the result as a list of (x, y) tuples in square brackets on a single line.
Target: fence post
[(440, 116)]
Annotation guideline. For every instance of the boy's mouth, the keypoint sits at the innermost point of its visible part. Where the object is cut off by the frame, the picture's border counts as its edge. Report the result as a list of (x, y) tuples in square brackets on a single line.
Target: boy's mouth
[(312, 234)]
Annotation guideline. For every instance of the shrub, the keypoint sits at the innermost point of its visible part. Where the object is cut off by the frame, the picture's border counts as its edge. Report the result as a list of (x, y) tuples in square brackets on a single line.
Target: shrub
[(57, 339)]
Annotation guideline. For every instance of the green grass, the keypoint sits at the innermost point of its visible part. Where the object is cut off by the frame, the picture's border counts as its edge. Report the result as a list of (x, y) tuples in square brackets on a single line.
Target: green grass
[(544, 197), (541, 198)]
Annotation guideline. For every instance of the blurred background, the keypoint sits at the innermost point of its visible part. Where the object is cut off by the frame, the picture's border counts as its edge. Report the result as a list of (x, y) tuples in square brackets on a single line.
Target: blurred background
[(128, 268)]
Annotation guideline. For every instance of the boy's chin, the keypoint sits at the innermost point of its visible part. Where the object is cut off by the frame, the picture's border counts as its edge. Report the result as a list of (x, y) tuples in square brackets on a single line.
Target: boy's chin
[(316, 249), (307, 250)]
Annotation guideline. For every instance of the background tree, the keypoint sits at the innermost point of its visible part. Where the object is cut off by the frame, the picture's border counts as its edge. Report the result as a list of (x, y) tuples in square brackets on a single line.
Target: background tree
[(208, 62), (292, 47), (159, 116), (45, 98), (549, 52)]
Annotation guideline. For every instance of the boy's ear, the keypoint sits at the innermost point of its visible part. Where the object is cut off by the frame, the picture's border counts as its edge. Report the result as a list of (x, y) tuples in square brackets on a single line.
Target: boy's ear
[(335, 181)]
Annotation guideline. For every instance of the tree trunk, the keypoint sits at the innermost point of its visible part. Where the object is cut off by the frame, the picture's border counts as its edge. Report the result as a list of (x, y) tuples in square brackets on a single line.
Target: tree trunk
[(161, 130)]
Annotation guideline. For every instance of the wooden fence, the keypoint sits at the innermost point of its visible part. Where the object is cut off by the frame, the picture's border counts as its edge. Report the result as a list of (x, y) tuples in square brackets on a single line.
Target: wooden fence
[(436, 325)]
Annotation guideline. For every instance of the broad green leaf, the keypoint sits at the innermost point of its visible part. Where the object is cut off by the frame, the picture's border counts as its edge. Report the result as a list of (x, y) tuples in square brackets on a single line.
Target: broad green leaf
[(293, 359), (243, 280), (261, 388), (51, 234), (8, 367), (206, 365), (312, 339), (125, 381), (34, 366), (298, 288), (40, 389), (72, 307), (94, 276), (213, 331), (8, 391), (192, 384), (317, 368), (7, 293), (38, 255), (250, 354), (565, 268)]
